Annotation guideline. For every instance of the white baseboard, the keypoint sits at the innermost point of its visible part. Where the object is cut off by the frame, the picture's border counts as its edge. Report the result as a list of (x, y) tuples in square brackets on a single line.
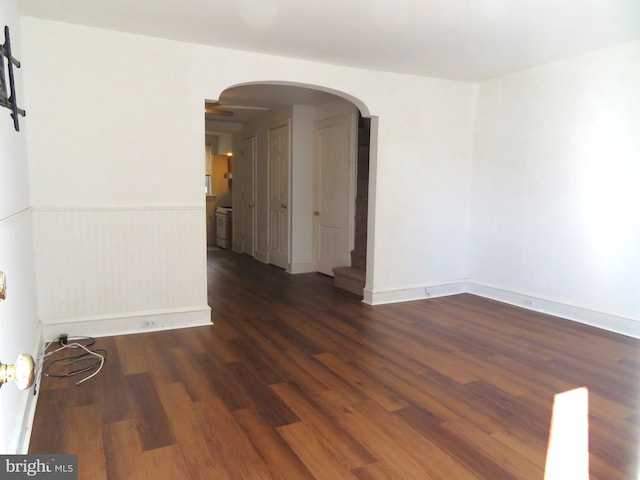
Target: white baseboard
[(29, 412), (301, 267), (27, 422), (612, 323), (606, 321), (261, 256), (129, 322), (416, 293)]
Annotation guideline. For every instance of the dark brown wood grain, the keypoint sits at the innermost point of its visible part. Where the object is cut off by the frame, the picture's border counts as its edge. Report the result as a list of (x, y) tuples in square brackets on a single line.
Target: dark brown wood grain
[(299, 380)]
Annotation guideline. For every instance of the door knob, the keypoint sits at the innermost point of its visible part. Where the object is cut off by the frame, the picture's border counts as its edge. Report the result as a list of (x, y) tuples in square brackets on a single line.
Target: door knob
[(3, 286), (251, 204), (22, 372), (316, 213), (283, 205)]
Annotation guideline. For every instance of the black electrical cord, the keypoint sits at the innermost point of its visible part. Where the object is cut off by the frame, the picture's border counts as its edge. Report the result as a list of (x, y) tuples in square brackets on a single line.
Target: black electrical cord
[(70, 360), (83, 343)]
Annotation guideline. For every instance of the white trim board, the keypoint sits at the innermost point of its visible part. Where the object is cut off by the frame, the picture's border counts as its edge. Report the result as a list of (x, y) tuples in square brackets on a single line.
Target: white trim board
[(115, 208), (612, 323), (414, 293), (29, 411), (301, 267), (26, 427), (13, 215), (129, 322)]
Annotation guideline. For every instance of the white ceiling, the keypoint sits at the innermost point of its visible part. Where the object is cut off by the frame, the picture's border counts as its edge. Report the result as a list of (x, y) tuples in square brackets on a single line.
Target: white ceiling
[(469, 40)]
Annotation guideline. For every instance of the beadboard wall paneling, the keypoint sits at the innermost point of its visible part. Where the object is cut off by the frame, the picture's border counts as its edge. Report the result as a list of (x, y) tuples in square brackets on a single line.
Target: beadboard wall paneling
[(92, 262)]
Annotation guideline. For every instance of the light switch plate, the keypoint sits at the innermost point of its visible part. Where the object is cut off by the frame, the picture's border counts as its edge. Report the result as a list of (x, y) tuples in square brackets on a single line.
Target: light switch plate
[(3, 286)]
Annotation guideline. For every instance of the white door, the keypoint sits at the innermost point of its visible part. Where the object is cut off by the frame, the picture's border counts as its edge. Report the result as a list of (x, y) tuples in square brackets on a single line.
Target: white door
[(3, 447), (278, 152), (334, 192), (248, 194)]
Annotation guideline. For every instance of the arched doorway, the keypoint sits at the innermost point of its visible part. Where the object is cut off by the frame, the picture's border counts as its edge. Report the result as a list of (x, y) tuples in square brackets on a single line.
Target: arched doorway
[(260, 114)]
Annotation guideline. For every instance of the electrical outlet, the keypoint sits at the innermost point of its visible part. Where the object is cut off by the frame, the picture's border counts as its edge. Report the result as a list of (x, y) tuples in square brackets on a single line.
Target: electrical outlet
[(527, 302), (427, 292), (149, 324)]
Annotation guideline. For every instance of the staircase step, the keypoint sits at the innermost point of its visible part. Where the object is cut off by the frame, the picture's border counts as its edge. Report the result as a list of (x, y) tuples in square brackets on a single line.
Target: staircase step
[(349, 279)]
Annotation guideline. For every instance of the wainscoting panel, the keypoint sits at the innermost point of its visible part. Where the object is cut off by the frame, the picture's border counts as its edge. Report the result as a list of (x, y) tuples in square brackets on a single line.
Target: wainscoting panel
[(93, 263)]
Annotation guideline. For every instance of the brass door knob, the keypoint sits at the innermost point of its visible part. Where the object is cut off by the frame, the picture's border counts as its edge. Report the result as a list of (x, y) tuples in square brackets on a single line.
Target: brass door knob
[(283, 205), (22, 372)]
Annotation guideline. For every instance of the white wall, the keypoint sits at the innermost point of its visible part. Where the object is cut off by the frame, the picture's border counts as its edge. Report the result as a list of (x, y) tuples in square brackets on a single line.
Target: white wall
[(423, 151), (150, 114), (18, 316), (556, 204), (117, 126), (116, 178), (422, 199)]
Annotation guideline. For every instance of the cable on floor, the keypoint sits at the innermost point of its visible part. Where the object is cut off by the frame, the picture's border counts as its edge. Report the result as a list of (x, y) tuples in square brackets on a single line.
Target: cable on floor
[(88, 360)]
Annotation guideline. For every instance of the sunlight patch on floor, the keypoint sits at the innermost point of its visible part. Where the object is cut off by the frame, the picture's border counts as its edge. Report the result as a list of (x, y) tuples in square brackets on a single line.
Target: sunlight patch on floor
[(568, 449)]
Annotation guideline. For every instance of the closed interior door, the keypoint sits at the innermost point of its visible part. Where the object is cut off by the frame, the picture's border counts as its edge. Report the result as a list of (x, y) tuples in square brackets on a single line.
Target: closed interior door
[(248, 195), (278, 248), (334, 165)]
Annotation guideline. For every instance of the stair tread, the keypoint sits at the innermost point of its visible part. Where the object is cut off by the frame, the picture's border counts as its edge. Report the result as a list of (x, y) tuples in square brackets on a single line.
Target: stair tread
[(351, 272)]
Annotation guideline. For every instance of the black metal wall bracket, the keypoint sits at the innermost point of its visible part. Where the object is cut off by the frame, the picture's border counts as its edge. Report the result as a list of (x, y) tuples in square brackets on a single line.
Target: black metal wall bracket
[(9, 101)]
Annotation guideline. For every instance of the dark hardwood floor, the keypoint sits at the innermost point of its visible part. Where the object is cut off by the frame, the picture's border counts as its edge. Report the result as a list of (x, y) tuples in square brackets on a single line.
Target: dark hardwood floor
[(298, 380)]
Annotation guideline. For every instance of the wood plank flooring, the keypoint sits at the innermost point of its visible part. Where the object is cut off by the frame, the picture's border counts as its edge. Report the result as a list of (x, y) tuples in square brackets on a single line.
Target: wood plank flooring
[(298, 380)]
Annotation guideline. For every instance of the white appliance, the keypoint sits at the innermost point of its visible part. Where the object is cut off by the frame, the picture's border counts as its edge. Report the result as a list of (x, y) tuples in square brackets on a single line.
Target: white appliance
[(223, 227)]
